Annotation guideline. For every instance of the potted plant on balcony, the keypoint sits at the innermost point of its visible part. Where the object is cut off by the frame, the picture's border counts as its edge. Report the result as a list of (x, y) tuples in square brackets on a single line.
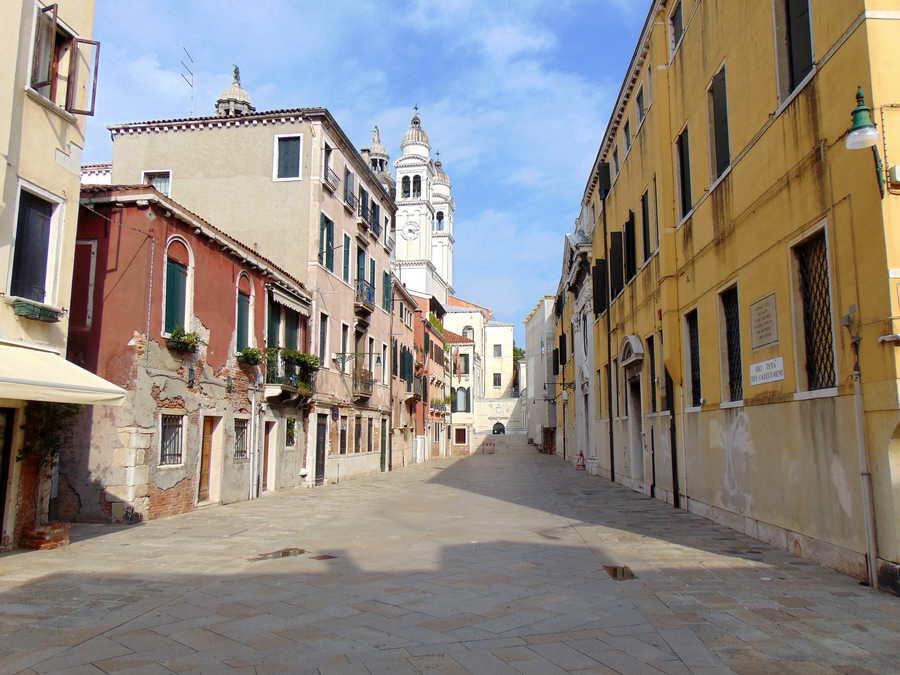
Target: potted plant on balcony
[(250, 356), (180, 341)]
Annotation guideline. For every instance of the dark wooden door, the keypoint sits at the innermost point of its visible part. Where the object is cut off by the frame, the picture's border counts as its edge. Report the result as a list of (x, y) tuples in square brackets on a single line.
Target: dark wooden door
[(7, 418), (205, 458), (265, 462), (321, 439)]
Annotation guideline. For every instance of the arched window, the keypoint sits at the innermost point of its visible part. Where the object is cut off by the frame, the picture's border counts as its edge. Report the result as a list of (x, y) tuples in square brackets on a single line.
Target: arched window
[(178, 286), (405, 187), (417, 186), (440, 221), (244, 312), (468, 333)]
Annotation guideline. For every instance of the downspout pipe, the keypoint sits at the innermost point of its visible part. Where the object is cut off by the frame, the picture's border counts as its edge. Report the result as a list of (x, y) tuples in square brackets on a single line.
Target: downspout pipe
[(865, 474)]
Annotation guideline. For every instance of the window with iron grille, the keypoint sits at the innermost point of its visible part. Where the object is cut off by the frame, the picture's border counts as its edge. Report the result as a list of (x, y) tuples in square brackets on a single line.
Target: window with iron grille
[(731, 314), (812, 268), (693, 332), (651, 360), (240, 439), (171, 435)]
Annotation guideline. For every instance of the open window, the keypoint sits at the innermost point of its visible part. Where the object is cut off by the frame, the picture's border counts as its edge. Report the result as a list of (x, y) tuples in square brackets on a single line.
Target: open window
[(35, 248), (64, 67)]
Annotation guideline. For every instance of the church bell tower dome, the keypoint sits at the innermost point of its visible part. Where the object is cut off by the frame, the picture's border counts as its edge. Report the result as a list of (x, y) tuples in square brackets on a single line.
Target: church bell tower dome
[(234, 100), (415, 142)]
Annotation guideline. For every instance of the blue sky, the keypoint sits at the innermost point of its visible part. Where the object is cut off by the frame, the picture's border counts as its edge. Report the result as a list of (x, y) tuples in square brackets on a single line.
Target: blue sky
[(515, 95)]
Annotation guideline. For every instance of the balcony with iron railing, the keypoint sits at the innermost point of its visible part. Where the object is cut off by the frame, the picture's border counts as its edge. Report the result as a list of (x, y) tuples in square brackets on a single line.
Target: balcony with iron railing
[(363, 215), (363, 383), (376, 228), (350, 201), (365, 296), (285, 379), (331, 180), (390, 243)]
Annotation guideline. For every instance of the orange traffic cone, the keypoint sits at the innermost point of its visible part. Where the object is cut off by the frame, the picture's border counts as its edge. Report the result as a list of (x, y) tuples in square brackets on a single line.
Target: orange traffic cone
[(579, 465)]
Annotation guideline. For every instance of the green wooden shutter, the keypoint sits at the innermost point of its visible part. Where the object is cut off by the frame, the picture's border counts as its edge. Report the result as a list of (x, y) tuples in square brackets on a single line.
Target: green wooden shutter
[(243, 321), (176, 295), (291, 328), (273, 325)]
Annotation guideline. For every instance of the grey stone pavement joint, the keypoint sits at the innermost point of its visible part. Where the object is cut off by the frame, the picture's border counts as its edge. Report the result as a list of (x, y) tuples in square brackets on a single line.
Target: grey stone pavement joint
[(486, 564)]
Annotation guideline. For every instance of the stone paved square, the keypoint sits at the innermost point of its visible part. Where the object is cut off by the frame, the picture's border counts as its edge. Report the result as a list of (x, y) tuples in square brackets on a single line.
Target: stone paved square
[(485, 564)]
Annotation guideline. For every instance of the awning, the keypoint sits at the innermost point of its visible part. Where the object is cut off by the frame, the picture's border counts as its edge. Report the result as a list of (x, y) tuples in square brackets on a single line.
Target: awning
[(288, 301), (36, 375)]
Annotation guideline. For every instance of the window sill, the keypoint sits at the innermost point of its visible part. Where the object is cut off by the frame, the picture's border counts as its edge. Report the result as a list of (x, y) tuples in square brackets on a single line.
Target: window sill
[(677, 46), (796, 91), (42, 100), (693, 409), (687, 216), (732, 404), (165, 467), (293, 179), (830, 392)]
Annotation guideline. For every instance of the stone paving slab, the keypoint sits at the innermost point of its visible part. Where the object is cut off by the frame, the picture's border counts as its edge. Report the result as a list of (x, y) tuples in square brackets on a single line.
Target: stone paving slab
[(487, 564)]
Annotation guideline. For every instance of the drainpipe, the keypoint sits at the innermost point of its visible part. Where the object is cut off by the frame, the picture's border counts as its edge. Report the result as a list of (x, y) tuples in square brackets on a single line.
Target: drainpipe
[(390, 379), (609, 391), (865, 475)]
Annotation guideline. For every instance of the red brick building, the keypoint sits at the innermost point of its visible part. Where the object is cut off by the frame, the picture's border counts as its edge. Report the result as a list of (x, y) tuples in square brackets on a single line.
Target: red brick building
[(180, 315), (432, 405)]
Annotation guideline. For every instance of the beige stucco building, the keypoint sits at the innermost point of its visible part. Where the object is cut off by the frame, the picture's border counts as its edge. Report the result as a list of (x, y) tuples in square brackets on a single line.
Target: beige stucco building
[(291, 185), (48, 66)]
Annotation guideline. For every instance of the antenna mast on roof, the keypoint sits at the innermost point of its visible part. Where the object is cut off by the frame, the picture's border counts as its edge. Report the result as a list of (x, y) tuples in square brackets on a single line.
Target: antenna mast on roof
[(190, 78)]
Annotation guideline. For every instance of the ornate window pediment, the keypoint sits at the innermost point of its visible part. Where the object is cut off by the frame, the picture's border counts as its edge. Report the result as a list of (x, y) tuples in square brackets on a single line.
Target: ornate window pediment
[(632, 351)]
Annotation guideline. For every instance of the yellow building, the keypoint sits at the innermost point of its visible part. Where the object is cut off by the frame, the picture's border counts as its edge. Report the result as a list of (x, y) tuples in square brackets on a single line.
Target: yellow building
[(48, 67), (743, 257)]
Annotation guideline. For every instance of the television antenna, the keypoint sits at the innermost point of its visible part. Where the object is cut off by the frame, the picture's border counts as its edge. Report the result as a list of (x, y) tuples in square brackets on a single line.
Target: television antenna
[(189, 77)]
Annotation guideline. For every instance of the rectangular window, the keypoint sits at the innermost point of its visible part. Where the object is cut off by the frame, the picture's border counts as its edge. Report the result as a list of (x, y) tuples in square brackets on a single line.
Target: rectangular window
[(326, 242), (655, 216), (357, 435), (386, 291), (732, 325), (645, 224), (369, 435), (363, 202), (287, 157), (345, 339), (273, 324), (676, 26), (384, 437), (604, 393), (290, 432), (683, 154), (651, 374), (371, 355), (240, 438), (615, 162), (243, 321), (291, 329), (176, 295), (343, 435), (54, 52), (630, 248), (323, 339), (171, 437), (31, 257), (463, 364), (640, 105), (348, 187), (615, 385), (160, 180), (794, 42), (627, 131), (384, 364), (498, 380), (498, 350), (693, 339), (815, 296), (718, 122), (345, 271), (459, 436)]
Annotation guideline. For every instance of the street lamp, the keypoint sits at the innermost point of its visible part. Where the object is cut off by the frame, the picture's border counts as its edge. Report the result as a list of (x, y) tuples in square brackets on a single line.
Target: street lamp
[(863, 133)]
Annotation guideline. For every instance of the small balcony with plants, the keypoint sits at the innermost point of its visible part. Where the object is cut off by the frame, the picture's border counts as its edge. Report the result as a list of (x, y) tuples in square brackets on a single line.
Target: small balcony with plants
[(290, 375), (365, 297)]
